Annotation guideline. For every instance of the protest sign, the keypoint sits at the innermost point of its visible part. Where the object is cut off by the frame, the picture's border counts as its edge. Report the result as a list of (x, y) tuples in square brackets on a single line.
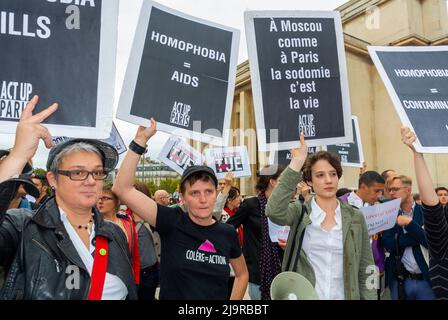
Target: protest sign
[(416, 79), (382, 216), (179, 155), (114, 140), (63, 51), (283, 157), (181, 71), (299, 78), (277, 232), (351, 154), (229, 159)]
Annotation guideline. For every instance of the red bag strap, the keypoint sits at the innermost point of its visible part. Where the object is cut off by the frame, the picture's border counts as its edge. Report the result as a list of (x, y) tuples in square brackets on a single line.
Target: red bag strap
[(99, 269)]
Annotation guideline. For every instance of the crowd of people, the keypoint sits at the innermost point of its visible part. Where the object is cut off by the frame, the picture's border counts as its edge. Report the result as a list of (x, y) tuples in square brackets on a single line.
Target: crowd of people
[(78, 238)]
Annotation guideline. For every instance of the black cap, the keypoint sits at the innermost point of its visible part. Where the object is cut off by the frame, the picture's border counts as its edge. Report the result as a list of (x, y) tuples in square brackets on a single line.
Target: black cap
[(24, 179), (109, 153), (198, 169), (28, 169)]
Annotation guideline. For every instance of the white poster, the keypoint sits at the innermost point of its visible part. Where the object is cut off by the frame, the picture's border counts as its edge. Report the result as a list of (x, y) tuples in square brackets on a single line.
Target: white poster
[(382, 216), (278, 232), (179, 155), (229, 159)]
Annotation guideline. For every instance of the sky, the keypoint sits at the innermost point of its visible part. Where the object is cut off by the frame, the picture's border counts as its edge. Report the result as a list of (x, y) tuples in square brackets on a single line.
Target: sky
[(226, 12)]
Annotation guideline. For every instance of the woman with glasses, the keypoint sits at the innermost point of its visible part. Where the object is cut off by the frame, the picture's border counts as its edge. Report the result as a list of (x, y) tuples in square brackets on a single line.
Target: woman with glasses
[(65, 250), (108, 205)]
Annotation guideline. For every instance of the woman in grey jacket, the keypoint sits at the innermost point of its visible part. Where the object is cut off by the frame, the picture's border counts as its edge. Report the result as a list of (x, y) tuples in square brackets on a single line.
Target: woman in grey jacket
[(328, 242)]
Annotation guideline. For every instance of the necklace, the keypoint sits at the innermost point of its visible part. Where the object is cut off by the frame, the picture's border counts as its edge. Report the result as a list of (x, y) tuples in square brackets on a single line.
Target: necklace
[(84, 226)]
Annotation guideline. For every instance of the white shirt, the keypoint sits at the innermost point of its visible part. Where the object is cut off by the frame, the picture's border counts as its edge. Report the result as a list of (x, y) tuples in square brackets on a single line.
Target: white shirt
[(114, 288), (354, 200), (324, 250), (408, 258)]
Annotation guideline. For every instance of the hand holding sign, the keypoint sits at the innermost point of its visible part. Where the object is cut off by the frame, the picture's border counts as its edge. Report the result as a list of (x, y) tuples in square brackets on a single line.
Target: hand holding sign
[(145, 133), (408, 137), (298, 155)]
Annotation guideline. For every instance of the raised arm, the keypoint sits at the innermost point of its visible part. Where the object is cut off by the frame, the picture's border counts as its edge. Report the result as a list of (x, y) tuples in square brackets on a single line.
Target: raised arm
[(138, 202), (28, 133), (436, 224), (222, 197), (279, 208), (424, 180)]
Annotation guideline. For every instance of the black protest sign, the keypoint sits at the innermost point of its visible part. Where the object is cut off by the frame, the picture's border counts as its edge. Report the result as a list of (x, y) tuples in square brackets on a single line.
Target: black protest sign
[(63, 51), (299, 79), (416, 79), (351, 154), (182, 73), (283, 157)]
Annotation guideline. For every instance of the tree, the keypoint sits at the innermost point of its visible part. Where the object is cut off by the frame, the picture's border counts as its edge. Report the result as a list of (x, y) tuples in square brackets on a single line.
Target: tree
[(169, 184)]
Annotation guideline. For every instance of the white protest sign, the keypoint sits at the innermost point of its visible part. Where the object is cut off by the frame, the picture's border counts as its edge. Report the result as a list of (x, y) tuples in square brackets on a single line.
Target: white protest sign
[(229, 159), (64, 52), (277, 232), (179, 155), (416, 79), (382, 216), (114, 140)]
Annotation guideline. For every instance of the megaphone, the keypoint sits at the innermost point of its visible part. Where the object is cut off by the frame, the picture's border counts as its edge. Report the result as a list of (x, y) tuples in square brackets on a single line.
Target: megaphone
[(292, 286)]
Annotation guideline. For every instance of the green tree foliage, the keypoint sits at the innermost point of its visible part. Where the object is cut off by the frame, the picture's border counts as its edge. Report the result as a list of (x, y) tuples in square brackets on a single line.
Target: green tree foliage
[(169, 184)]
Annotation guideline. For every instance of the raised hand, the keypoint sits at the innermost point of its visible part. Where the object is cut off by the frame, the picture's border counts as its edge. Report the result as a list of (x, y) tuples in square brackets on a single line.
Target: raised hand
[(28, 133), (145, 133), (363, 168), (229, 178), (298, 155), (408, 137), (30, 130)]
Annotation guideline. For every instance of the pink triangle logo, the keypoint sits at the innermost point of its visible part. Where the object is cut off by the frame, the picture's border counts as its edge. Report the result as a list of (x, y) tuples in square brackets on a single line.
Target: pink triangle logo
[(207, 246)]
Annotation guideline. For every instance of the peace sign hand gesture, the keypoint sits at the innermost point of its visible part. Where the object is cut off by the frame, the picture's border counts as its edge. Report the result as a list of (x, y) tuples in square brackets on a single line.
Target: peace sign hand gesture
[(30, 130)]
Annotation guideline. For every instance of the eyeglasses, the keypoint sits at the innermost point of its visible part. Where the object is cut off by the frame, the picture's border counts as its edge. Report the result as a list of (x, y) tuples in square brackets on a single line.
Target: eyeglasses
[(81, 175), (395, 189), (104, 198)]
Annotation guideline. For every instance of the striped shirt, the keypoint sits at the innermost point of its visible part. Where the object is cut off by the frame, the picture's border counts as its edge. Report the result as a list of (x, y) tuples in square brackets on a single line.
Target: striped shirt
[(436, 232)]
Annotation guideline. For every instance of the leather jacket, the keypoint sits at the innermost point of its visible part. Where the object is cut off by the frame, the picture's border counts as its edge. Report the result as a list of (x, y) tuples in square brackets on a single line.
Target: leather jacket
[(43, 262)]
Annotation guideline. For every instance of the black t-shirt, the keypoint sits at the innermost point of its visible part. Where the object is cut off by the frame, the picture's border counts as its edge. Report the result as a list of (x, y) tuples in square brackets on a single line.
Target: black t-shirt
[(194, 260)]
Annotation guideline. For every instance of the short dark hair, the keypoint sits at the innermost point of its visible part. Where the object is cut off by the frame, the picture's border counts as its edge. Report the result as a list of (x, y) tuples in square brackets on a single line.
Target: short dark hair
[(441, 188), (143, 188), (266, 174), (342, 191), (331, 158), (233, 193), (193, 178), (42, 178), (109, 190), (369, 178)]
